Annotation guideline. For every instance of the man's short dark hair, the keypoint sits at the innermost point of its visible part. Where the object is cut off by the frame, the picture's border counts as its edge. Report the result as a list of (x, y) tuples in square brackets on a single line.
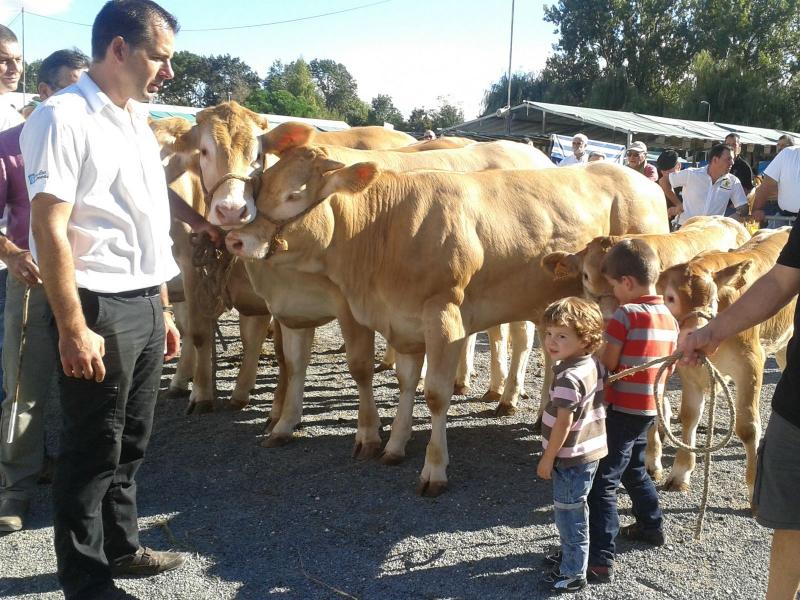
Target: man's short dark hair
[(734, 135), (717, 150), (130, 19), (632, 258), (667, 160), (72, 58), (7, 36)]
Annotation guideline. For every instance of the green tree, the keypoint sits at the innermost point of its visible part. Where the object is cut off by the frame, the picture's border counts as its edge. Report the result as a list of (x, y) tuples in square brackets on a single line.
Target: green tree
[(420, 119), (383, 111), (295, 78), (281, 102), (188, 86), (227, 78), (447, 114), (31, 77)]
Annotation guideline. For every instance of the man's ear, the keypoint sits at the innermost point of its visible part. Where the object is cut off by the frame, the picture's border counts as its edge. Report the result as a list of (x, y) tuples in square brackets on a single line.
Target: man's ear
[(286, 136), (562, 264), (352, 180)]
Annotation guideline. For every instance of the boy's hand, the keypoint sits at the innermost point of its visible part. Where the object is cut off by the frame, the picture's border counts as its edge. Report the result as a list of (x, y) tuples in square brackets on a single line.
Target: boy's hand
[(545, 467)]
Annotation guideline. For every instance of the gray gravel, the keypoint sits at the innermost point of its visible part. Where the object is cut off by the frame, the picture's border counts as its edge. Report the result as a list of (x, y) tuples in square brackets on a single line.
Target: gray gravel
[(307, 521)]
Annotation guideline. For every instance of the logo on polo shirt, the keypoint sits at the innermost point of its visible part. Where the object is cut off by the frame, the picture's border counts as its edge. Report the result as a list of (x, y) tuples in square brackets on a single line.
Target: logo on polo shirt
[(34, 177), (726, 183)]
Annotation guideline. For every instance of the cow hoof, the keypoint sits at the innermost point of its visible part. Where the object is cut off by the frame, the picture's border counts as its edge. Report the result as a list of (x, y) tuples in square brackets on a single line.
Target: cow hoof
[(276, 441), (176, 393), (390, 459), (491, 396), (673, 485), (238, 403), (460, 389), (524, 396), (656, 474), (431, 489), (366, 451), (383, 367), (200, 407), (505, 410)]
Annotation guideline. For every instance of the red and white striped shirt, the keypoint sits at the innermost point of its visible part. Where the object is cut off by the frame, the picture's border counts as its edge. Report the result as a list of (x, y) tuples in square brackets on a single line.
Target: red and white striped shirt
[(646, 330)]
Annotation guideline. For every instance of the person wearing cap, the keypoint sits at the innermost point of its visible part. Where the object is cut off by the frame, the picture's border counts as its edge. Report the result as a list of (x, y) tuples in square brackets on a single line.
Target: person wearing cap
[(596, 156), (740, 167), (637, 160), (707, 190), (429, 135), (579, 155)]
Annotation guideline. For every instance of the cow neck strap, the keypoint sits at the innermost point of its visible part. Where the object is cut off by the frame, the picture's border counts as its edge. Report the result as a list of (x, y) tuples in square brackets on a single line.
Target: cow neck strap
[(705, 312), (279, 224), (255, 177)]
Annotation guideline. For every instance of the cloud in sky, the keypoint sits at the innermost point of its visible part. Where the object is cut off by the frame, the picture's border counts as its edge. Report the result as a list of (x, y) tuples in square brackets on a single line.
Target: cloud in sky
[(11, 8)]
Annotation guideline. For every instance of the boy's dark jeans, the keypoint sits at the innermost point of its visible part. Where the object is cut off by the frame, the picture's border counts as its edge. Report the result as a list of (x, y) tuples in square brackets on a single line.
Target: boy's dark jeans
[(627, 440), (105, 431)]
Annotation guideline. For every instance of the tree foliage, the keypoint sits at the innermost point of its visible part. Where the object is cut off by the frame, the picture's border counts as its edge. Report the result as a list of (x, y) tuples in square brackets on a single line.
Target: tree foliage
[(664, 56), (383, 110)]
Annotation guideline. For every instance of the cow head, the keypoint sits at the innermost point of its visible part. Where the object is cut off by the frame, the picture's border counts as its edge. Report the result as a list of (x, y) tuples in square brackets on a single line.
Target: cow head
[(302, 179), (587, 265), (224, 142)]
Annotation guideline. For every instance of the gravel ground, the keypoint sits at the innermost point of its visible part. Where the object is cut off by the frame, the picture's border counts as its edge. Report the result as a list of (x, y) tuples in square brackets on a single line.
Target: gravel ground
[(307, 521)]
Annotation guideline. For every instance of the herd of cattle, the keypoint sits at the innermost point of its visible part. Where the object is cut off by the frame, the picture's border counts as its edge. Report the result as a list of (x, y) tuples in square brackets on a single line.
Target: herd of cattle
[(428, 243)]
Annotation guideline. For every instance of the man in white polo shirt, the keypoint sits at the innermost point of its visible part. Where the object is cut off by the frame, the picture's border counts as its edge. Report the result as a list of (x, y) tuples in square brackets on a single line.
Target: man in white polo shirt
[(100, 222), (579, 155), (707, 190), (781, 178)]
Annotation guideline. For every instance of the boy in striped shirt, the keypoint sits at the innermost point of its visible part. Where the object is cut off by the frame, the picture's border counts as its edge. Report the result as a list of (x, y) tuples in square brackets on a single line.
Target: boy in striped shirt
[(641, 330), (573, 432)]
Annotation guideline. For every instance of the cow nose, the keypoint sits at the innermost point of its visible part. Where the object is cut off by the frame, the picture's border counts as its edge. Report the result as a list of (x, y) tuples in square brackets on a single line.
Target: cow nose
[(227, 216), (234, 244)]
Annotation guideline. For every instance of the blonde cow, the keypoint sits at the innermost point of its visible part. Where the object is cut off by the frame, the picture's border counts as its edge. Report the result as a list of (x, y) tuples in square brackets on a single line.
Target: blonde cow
[(695, 292), (371, 137), (426, 258), (196, 157)]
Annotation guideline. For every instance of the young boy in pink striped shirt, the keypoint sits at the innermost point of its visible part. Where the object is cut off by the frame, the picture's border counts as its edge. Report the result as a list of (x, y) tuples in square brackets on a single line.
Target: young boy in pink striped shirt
[(573, 432)]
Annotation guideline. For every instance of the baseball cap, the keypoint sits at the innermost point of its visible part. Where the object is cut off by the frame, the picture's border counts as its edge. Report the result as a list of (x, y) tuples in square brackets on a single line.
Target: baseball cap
[(638, 147)]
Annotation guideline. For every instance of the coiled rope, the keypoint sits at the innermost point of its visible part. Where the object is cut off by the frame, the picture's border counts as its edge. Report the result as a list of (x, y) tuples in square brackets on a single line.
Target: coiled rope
[(716, 381), (214, 266)]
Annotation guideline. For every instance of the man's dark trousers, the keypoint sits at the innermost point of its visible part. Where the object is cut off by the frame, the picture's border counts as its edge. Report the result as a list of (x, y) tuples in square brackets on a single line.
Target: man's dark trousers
[(627, 441), (105, 431)]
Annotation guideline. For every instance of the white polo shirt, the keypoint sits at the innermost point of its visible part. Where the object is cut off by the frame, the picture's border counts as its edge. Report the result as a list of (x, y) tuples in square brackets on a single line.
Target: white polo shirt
[(573, 160), (785, 169), (701, 196), (83, 149)]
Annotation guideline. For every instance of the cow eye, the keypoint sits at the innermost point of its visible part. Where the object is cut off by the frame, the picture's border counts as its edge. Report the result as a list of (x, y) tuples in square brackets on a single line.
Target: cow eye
[(670, 298), (294, 196), (203, 152)]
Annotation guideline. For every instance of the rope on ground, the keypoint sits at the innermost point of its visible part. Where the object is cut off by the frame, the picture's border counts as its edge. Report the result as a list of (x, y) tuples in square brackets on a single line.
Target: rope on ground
[(318, 581), (214, 267), (12, 419), (716, 381)]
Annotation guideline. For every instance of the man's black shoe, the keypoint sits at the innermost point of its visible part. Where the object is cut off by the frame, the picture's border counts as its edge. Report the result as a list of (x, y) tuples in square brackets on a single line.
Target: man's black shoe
[(146, 562), (635, 532)]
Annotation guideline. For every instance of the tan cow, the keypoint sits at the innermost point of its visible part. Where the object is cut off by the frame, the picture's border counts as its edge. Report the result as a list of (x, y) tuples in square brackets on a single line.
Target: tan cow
[(442, 143), (183, 165), (426, 258), (694, 292), (372, 137)]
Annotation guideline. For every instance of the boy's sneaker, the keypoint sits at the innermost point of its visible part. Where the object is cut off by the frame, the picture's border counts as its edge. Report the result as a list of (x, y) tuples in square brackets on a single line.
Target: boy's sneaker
[(552, 559), (637, 533), (599, 574), (562, 583)]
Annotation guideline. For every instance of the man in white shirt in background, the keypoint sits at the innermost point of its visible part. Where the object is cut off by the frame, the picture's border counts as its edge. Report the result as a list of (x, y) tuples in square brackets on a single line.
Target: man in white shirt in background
[(10, 74), (782, 179), (100, 221), (579, 155), (707, 190)]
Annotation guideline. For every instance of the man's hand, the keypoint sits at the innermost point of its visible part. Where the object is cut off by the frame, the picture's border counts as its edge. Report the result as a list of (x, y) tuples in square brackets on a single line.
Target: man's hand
[(21, 266), (674, 210), (172, 339), (545, 467), (82, 355), (697, 344), (758, 215)]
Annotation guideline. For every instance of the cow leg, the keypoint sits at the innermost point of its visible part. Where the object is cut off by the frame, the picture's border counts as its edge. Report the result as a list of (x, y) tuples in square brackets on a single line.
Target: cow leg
[(693, 381), (547, 380), (279, 395), (297, 354), (253, 331), (179, 384), (498, 362), (388, 361), (655, 448), (522, 334), (201, 400), (747, 376), (466, 367), (359, 343), (409, 367), (780, 358), (444, 341)]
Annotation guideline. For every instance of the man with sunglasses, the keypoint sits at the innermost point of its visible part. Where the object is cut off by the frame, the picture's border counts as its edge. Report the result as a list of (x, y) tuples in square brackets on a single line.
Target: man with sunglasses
[(637, 160)]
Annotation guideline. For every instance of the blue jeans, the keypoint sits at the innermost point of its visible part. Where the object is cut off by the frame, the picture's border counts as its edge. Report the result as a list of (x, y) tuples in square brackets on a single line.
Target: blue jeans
[(571, 487), (627, 440), (3, 281)]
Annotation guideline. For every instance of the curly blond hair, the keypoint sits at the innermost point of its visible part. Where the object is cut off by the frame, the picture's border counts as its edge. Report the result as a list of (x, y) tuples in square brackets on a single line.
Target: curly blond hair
[(580, 315)]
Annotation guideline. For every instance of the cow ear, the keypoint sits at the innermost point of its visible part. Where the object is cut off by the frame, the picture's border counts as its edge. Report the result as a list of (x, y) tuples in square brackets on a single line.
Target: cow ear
[(286, 136), (353, 179), (170, 133), (733, 275), (562, 264)]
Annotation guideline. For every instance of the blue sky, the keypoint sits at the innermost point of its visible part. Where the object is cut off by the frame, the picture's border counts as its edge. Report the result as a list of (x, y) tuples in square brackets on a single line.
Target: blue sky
[(413, 50)]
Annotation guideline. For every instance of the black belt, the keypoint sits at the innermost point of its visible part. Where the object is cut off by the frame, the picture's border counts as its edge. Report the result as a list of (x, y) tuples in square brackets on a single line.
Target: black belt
[(140, 293)]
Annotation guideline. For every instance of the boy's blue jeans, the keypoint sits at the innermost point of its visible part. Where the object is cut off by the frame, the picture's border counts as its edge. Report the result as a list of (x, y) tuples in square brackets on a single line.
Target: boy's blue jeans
[(571, 487), (627, 440)]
